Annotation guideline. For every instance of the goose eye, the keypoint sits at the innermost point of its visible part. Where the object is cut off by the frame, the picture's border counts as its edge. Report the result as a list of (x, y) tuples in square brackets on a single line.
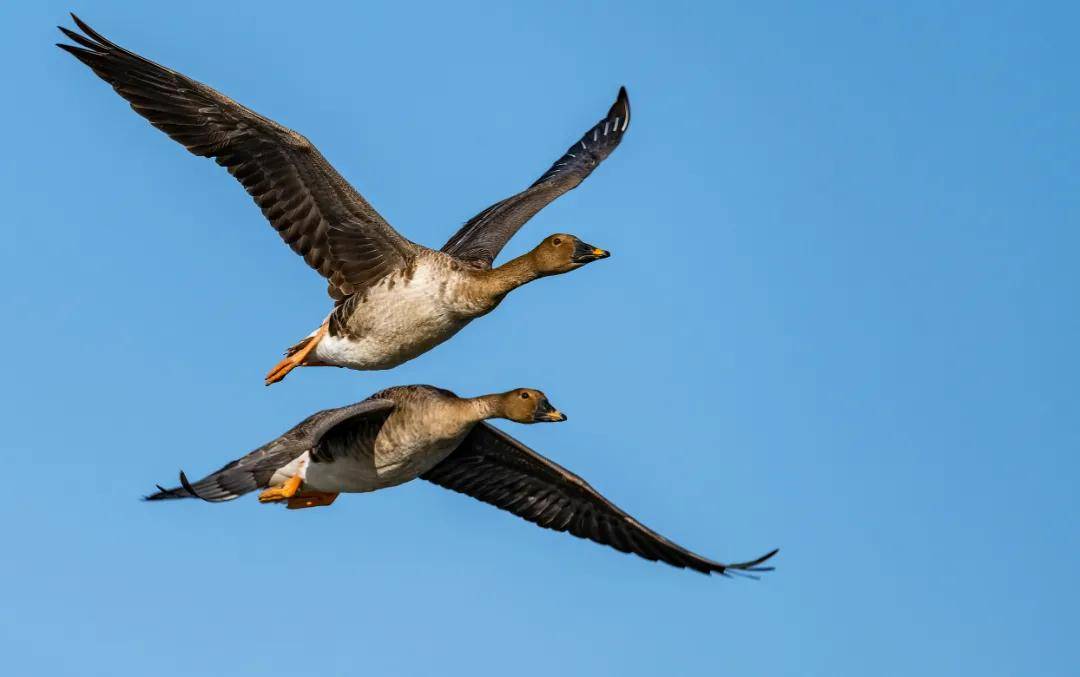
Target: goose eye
[(524, 396), (557, 241)]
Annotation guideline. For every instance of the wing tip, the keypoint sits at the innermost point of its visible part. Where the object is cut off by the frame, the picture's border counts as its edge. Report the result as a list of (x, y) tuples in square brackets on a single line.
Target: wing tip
[(752, 566), (90, 37), (83, 26), (164, 494), (621, 107), (88, 44), (190, 489), (185, 490)]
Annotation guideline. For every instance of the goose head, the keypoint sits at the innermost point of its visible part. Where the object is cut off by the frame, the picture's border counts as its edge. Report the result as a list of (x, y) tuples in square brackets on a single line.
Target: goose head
[(526, 405), (561, 253)]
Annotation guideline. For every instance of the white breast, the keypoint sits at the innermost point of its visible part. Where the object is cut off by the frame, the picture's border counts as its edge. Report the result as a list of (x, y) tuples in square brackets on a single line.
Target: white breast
[(402, 317)]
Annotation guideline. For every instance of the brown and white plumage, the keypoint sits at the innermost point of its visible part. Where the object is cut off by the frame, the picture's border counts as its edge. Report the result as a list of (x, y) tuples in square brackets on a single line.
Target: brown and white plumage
[(257, 469), (368, 265), (373, 445)]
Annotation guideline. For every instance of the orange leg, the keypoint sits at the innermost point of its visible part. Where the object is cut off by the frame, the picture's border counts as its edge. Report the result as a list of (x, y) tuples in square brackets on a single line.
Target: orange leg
[(283, 493), (296, 355), (310, 499)]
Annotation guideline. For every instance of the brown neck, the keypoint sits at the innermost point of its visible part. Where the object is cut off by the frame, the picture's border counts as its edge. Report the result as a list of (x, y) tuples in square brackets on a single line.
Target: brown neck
[(510, 275), (484, 407)]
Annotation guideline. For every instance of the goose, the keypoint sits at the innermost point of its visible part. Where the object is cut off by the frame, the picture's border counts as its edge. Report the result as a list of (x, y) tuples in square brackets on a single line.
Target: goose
[(393, 299), (407, 432)]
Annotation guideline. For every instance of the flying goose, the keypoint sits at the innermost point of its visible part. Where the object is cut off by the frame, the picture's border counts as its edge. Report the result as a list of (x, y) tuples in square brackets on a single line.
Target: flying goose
[(394, 299), (406, 432)]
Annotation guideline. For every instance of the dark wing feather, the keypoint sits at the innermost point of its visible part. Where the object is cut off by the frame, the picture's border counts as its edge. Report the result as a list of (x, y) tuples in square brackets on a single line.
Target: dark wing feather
[(318, 214), (497, 469), (254, 470), (483, 237)]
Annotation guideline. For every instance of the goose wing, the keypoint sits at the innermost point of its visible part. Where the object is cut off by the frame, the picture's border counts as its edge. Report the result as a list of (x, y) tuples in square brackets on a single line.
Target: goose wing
[(497, 469), (254, 470), (318, 214), (483, 237)]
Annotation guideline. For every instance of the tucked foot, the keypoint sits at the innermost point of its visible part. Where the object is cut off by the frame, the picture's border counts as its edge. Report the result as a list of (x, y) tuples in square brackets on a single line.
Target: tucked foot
[(295, 356), (283, 493), (310, 499)]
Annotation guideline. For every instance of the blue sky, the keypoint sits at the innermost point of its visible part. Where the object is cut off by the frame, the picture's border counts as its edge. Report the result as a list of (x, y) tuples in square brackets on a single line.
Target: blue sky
[(839, 319)]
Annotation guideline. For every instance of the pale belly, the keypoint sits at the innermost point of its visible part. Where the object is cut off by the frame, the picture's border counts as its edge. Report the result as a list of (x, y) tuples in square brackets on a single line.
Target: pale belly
[(397, 322), (357, 474)]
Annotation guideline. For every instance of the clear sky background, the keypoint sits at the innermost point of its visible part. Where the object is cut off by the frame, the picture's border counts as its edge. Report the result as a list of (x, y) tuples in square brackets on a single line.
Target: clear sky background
[(840, 318)]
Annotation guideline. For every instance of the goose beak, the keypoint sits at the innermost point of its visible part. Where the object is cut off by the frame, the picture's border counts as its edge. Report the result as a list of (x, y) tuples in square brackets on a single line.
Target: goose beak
[(545, 413), (585, 252)]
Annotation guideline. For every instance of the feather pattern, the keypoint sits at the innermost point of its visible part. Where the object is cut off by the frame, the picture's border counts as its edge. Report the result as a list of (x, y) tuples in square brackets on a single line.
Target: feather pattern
[(253, 471), (482, 238), (316, 212), (493, 467)]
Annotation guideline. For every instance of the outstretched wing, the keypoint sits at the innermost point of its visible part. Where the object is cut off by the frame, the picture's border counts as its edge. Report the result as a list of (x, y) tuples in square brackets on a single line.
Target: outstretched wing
[(483, 237), (311, 206), (497, 469), (254, 470)]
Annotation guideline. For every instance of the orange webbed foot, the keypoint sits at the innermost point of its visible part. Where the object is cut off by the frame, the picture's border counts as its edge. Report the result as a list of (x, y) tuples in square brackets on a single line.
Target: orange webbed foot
[(283, 493), (296, 355)]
